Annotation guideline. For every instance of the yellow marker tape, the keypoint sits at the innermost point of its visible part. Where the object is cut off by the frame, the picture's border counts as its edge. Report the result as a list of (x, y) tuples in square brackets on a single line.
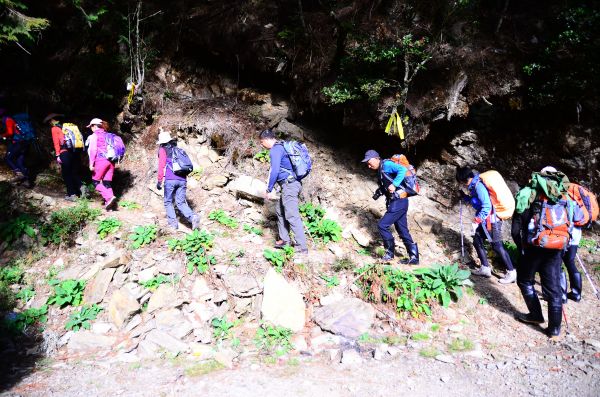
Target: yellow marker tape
[(130, 97), (395, 123)]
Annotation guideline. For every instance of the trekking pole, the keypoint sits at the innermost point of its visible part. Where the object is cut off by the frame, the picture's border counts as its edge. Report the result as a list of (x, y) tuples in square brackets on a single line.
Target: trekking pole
[(588, 277), (462, 235), (564, 312)]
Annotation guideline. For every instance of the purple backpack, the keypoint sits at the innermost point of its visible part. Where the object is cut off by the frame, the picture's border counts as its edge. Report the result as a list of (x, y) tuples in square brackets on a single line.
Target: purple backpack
[(115, 148)]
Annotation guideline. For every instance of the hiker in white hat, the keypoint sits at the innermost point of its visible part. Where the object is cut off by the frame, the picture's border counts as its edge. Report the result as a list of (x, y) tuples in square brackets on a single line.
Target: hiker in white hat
[(102, 169), (174, 165)]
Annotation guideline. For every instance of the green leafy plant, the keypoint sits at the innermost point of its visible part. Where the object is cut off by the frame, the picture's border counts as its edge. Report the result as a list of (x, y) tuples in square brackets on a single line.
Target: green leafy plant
[(262, 156), (429, 352), (221, 217), (318, 227), (83, 318), (589, 244), (20, 322), (253, 229), (195, 245), (154, 282), (25, 294), (130, 205), (13, 229), (108, 226), (420, 336), (11, 274), (273, 339), (341, 264), (67, 292), (460, 345), (278, 258), (65, 223), (16, 25), (512, 250), (331, 281), (222, 329), (442, 282), (143, 235)]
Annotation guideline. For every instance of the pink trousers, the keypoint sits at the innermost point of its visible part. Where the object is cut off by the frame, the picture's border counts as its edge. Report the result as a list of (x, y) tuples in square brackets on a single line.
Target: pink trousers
[(103, 175)]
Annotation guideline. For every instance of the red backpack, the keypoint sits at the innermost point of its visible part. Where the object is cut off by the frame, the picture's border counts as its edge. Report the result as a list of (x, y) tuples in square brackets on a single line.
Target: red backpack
[(587, 201), (551, 224)]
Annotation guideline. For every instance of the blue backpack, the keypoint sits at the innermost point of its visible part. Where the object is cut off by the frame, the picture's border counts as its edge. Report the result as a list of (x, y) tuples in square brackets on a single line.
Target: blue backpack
[(299, 157), (25, 130), (181, 163)]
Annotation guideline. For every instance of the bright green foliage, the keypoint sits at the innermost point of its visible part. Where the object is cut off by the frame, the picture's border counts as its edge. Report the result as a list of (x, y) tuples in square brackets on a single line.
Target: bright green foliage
[(253, 229), (154, 282), (195, 245), (222, 329), (262, 156), (278, 258), (83, 318), (420, 336), (23, 320), (14, 25), (65, 223), (274, 339), (13, 229), (331, 281), (340, 92), (589, 244), (442, 282), (221, 217), (131, 205), (11, 274), (108, 226), (143, 235), (90, 17), (512, 250), (67, 292), (319, 228), (25, 294)]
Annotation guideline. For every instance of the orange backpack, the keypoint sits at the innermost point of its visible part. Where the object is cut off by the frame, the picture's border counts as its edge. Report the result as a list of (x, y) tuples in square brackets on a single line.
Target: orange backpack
[(551, 224), (501, 196), (410, 179), (587, 202)]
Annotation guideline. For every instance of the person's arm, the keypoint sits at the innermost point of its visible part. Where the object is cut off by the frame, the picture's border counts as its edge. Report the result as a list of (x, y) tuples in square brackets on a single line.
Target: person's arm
[(162, 162), (10, 128), (93, 149), (57, 139), (275, 155), (516, 229), (486, 204)]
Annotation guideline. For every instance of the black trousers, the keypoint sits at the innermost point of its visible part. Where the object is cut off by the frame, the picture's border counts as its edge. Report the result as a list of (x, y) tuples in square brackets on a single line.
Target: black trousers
[(497, 245), (547, 263), (69, 168)]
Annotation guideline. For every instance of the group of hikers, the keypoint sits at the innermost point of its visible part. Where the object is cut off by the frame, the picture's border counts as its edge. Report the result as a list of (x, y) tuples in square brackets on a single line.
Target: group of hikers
[(548, 214)]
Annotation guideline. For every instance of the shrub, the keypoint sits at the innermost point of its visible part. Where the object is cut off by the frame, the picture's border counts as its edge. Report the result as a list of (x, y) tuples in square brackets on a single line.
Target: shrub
[(330, 281), (319, 228), (11, 274), (195, 245), (65, 223), (154, 282), (221, 217), (273, 339), (253, 229), (143, 235), (131, 205), (67, 292), (442, 282), (278, 258), (108, 226), (222, 329), (13, 229), (262, 156), (83, 318), (19, 322)]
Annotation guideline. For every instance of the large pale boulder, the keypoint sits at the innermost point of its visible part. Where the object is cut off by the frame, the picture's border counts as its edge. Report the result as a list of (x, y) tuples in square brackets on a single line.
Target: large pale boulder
[(122, 307), (348, 317), (282, 303), (248, 187)]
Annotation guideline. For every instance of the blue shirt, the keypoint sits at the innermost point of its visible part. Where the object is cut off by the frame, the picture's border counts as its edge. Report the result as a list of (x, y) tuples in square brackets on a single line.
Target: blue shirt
[(281, 167), (480, 199), (394, 171)]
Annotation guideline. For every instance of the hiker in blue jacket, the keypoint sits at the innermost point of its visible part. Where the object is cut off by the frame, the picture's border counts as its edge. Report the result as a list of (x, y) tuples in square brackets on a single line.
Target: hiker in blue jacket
[(486, 225), (391, 175), (288, 213)]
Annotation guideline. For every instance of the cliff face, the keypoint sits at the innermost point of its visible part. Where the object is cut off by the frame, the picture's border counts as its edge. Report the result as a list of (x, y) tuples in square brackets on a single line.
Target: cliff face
[(491, 84)]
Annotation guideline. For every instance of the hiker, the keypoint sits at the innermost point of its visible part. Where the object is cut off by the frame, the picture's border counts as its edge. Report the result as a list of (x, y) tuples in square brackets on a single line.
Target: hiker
[(486, 224), (102, 169), (175, 185), (67, 155), (281, 172), (16, 149), (545, 215), (390, 179)]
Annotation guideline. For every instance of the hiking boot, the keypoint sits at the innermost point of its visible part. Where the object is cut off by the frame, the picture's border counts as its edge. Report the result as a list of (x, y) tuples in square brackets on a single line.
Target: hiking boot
[(84, 191), (554, 321), (532, 302), (18, 178), (279, 244), (483, 271), (413, 255), (72, 198), (528, 318), (509, 277), (195, 222), (389, 247), (110, 203), (575, 294)]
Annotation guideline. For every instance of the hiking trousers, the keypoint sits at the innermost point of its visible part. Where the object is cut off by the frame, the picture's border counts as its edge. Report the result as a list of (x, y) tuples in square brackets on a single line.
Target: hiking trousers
[(288, 214), (102, 178), (69, 168), (396, 215), (15, 157), (176, 189), (548, 264), (496, 243)]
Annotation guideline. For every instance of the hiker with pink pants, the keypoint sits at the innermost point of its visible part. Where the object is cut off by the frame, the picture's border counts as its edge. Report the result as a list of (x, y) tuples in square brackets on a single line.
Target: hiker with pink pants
[(102, 169)]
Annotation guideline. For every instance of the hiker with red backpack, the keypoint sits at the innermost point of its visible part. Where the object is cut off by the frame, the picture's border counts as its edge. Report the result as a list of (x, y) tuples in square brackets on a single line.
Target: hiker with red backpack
[(290, 163), (546, 216), (102, 161), (173, 167), (68, 143), (487, 223), (18, 132), (392, 178)]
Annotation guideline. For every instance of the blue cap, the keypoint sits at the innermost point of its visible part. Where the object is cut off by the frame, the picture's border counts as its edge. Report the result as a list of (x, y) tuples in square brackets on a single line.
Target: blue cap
[(371, 154)]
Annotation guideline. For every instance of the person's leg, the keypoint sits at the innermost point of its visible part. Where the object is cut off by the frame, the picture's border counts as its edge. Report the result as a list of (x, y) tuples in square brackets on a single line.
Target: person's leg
[(75, 172), (478, 240), (100, 169), (66, 167), (181, 200), (21, 153), (108, 177), (401, 226), (291, 199), (550, 278), (574, 275), (169, 187), (498, 246), (282, 225), (389, 218), (526, 280), (11, 157)]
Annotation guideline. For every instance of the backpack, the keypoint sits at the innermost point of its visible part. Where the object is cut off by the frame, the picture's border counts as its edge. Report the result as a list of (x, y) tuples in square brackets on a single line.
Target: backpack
[(181, 163), (299, 158), (551, 225), (551, 186), (25, 130), (73, 137), (410, 182), (115, 148), (587, 202), (501, 196)]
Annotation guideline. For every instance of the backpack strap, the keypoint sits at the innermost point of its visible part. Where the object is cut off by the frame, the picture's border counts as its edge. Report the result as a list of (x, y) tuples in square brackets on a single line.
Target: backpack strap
[(290, 172)]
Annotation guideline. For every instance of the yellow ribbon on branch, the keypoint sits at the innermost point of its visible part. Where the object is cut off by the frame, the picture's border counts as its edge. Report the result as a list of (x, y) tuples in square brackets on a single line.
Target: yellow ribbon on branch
[(395, 124), (131, 92)]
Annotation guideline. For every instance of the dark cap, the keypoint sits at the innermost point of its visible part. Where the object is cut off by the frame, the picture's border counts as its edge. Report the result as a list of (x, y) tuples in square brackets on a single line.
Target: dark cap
[(371, 154)]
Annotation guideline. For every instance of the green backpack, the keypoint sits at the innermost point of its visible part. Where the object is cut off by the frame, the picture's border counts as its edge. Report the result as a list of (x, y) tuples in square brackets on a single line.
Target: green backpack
[(552, 185)]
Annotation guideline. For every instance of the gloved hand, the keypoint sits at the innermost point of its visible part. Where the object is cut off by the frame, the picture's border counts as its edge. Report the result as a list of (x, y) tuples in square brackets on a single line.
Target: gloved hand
[(463, 195), (58, 160), (474, 226), (159, 185)]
